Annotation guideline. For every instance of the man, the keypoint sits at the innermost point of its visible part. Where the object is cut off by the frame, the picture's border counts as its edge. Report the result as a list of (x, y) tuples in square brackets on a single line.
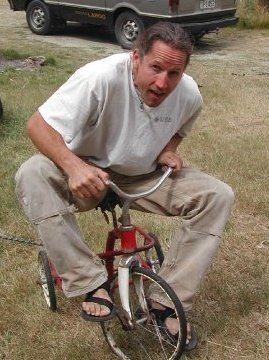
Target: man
[(121, 118)]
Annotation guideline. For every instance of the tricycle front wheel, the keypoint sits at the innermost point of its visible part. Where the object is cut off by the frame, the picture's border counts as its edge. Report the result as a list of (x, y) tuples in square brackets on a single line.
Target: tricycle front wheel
[(147, 337)]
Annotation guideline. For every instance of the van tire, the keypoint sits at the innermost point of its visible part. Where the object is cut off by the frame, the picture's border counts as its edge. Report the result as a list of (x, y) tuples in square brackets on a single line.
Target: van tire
[(39, 17), (127, 27)]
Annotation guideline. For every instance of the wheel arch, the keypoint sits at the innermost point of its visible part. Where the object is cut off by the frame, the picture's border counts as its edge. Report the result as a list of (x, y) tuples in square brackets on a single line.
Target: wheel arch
[(121, 9), (27, 2)]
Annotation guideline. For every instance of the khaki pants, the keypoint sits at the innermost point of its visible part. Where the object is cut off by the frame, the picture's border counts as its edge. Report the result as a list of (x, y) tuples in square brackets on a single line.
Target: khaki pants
[(201, 202)]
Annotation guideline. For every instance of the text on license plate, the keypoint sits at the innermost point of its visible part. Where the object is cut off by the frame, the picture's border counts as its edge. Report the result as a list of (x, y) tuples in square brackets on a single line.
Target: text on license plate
[(207, 4)]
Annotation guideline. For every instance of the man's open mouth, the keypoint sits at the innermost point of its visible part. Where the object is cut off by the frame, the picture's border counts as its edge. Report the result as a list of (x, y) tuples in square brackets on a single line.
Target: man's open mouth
[(157, 93)]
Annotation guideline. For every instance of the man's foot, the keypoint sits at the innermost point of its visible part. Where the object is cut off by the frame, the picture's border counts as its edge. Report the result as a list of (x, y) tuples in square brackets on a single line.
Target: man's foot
[(171, 325), (97, 305), (94, 308), (192, 339)]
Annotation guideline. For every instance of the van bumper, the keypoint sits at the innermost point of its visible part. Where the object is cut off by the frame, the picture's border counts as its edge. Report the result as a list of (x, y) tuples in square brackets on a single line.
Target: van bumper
[(197, 27)]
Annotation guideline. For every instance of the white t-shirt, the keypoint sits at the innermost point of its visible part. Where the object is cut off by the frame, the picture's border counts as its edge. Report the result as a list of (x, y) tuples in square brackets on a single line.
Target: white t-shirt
[(99, 115)]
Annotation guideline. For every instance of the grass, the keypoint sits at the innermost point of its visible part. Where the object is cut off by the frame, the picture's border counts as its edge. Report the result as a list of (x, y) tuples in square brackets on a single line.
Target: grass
[(229, 141), (12, 54)]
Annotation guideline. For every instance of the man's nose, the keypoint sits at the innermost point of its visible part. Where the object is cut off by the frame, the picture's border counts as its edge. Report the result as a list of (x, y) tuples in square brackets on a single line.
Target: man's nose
[(162, 81)]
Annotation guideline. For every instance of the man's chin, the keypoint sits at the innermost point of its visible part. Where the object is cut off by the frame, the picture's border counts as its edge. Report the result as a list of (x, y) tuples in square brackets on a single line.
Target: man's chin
[(155, 102)]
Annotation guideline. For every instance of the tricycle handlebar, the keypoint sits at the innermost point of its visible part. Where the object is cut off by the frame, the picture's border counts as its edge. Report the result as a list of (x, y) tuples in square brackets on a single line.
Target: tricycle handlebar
[(132, 197)]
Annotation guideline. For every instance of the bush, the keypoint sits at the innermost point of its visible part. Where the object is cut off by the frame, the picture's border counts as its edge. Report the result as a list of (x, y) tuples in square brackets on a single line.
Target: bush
[(264, 3), (253, 14)]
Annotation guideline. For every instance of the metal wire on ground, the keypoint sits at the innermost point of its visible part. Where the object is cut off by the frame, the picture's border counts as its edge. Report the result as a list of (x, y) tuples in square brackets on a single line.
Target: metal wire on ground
[(19, 240)]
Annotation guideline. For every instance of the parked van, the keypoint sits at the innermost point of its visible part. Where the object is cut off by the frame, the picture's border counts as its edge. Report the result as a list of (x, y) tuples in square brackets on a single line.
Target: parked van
[(128, 18)]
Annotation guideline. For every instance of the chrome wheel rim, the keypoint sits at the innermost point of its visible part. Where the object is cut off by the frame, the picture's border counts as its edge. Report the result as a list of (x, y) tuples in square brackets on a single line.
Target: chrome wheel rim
[(38, 18), (130, 30), (44, 284)]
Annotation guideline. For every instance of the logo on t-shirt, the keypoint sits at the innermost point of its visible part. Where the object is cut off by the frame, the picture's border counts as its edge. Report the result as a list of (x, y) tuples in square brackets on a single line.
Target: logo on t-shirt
[(163, 119)]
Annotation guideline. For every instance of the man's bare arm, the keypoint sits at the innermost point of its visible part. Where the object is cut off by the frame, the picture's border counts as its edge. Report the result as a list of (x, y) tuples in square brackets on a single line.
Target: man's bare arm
[(84, 180)]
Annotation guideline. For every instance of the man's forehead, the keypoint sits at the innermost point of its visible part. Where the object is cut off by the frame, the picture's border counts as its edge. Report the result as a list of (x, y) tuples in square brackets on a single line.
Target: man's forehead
[(161, 52)]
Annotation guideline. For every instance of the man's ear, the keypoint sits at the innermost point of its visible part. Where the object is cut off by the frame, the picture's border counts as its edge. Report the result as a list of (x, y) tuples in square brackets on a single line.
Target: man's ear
[(136, 60), (135, 56)]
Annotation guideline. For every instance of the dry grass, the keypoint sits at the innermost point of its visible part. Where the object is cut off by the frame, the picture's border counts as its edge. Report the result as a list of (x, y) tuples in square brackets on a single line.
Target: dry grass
[(229, 141)]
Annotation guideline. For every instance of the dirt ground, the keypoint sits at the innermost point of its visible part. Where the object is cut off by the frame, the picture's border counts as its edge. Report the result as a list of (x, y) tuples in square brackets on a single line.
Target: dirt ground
[(223, 46), (14, 26)]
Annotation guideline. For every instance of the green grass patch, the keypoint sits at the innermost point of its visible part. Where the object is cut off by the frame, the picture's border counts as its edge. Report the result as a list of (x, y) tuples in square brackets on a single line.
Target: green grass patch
[(12, 54), (50, 61)]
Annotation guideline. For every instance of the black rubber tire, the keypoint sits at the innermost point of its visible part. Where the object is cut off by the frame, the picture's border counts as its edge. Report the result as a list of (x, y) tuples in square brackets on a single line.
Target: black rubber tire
[(46, 281), (195, 38), (127, 27), (158, 249), (39, 18), (144, 340)]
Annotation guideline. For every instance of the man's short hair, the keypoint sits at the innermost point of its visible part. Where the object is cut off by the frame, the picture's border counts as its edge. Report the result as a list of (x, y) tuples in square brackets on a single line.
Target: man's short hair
[(171, 34)]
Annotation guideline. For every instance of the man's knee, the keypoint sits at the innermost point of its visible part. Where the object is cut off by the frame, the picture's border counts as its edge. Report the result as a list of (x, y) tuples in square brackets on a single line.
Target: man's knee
[(224, 195), (40, 172), (38, 166), (41, 188), (26, 176)]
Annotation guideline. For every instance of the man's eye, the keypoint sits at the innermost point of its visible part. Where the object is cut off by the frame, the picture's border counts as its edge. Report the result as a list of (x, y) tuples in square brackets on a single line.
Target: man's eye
[(156, 68), (174, 73)]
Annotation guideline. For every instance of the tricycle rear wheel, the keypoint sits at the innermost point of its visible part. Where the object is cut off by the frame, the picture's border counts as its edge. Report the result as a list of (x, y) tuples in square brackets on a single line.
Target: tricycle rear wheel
[(46, 281)]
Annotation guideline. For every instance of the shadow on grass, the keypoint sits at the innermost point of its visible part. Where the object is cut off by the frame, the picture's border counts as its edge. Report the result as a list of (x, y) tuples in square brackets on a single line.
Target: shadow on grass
[(210, 44), (102, 34)]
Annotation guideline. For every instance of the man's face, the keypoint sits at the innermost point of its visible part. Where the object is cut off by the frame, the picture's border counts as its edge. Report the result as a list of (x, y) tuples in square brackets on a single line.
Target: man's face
[(158, 72)]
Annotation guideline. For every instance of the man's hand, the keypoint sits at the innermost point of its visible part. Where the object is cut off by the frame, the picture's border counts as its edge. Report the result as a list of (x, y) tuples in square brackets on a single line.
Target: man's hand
[(169, 156), (86, 181), (171, 159)]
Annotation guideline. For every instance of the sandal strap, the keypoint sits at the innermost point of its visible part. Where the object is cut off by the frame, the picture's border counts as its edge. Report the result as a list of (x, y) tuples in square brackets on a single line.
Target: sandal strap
[(163, 314), (100, 301), (105, 286)]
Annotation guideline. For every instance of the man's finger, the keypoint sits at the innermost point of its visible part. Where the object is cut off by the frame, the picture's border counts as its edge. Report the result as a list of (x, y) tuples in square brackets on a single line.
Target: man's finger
[(99, 184), (103, 176)]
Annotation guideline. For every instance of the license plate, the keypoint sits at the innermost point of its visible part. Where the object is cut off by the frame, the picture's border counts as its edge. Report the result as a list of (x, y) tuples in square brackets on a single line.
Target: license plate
[(207, 4)]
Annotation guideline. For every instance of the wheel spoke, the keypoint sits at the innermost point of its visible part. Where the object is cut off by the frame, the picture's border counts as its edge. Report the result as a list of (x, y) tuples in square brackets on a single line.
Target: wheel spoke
[(159, 334)]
